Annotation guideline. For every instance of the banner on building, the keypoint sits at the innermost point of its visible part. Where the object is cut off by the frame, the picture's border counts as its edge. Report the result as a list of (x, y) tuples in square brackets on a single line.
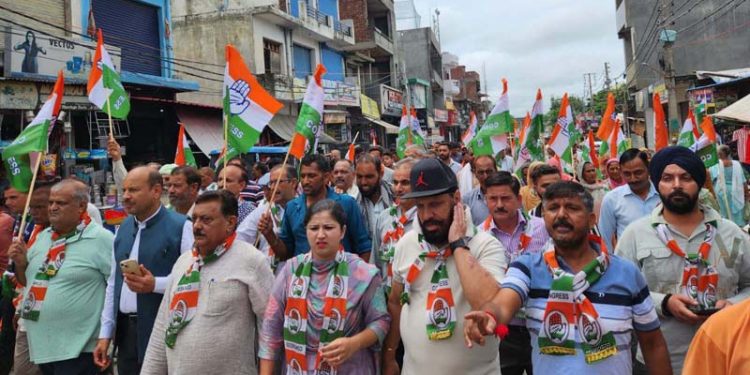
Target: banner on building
[(390, 101), (30, 53)]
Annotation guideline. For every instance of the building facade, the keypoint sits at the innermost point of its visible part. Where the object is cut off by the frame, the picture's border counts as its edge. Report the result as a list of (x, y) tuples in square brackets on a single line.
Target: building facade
[(37, 44), (708, 35)]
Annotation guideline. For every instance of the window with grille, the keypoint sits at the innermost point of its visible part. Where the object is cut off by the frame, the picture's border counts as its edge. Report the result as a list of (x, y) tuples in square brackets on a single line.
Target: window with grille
[(272, 56)]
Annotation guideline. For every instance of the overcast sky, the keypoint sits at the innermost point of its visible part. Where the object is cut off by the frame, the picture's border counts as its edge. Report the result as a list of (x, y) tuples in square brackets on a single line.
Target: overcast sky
[(548, 44)]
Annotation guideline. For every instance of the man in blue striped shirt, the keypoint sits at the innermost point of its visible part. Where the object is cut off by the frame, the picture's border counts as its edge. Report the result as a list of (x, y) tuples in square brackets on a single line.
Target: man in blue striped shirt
[(582, 303)]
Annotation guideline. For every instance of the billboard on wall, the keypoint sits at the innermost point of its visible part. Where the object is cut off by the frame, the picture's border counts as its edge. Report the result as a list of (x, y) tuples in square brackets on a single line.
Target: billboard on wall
[(34, 53), (341, 93), (391, 101)]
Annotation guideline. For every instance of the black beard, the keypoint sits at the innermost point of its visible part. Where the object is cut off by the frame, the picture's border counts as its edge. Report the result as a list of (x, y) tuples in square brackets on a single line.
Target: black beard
[(439, 237), (371, 192), (680, 208)]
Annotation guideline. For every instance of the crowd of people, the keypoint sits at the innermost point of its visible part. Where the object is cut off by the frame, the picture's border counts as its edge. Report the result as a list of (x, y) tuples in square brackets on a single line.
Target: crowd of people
[(439, 262)]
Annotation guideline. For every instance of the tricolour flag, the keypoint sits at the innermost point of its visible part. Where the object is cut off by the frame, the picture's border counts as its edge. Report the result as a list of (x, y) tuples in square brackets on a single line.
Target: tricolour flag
[(700, 110), (33, 138), (350, 153), (310, 120), (534, 132), (705, 147), (660, 124), (521, 152), (471, 131), (562, 137), (617, 141), (409, 131), (104, 88), (184, 156), (492, 136), (689, 132), (416, 127), (248, 107), (608, 119)]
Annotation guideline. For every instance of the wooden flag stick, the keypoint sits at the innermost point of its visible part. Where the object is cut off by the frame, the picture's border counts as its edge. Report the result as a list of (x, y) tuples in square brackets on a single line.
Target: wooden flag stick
[(109, 116), (226, 149), (275, 189), (28, 196)]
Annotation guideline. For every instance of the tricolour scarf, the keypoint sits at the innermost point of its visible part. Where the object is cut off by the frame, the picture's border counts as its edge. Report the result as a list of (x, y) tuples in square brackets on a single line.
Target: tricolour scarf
[(441, 311), (296, 317), (388, 247), (523, 242), (184, 303), (699, 278), (32, 304), (568, 307)]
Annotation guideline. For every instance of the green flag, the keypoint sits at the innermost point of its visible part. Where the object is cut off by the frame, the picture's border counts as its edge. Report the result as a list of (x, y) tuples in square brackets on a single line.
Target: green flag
[(32, 139)]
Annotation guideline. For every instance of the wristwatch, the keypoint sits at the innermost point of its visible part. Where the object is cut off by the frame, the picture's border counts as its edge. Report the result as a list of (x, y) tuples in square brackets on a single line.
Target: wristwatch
[(459, 243)]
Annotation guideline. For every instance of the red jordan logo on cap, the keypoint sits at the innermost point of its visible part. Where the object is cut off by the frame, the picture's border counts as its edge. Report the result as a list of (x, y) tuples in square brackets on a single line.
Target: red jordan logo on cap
[(420, 180)]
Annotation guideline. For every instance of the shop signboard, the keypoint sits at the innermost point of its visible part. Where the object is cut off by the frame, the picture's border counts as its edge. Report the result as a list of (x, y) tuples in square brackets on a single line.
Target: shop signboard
[(30, 53), (369, 107), (441, 115), (391, 101), (340, 93)]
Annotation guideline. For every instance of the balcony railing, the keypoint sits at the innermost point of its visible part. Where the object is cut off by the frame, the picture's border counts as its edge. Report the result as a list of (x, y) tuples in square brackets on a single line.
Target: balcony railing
[(317, 15), (341, 28)]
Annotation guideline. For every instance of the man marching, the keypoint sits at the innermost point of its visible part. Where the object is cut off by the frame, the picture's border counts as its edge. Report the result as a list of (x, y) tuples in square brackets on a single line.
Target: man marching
[(218, 293), (519, 233), (437, 278), (694, 261), (581, 302)]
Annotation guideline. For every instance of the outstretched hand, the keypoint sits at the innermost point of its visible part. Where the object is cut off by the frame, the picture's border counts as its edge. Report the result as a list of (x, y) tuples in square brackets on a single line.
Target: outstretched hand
[(477, 325)]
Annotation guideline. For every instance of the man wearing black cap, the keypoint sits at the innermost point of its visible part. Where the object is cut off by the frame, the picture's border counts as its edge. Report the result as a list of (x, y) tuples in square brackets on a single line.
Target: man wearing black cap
[(437, 269), (694, 261)]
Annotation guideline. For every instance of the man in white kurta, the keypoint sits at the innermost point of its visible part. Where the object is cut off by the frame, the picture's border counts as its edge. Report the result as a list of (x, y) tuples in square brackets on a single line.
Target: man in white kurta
[(234, 283)]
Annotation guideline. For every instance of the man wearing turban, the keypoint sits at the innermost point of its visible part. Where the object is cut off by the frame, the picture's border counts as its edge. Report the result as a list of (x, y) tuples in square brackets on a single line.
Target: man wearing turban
[(694, 261)]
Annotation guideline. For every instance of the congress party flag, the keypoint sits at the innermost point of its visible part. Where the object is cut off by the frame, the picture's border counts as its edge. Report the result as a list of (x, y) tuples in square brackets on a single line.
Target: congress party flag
[(706, 147), (33, 138), (104, 89), (689, 132), (617, 141), (350, 152), (248, 107), (409, 131), (660, 124), (608, 119), (471, 131), (521, 152), (310, 120), (561, 138), (184, 156), (492, 136), (534, 132), (416, 127)]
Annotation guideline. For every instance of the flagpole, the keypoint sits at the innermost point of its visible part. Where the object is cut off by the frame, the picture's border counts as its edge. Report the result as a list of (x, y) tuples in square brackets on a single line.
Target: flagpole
[(226, 149), (28, 196), (109, 116), (275, 188)]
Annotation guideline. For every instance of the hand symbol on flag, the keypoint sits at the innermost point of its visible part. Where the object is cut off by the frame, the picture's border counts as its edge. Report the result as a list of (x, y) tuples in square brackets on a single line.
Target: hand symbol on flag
[(238, 100)]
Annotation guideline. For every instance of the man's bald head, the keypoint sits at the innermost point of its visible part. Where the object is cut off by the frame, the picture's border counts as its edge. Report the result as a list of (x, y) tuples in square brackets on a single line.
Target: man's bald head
[(142, 191)]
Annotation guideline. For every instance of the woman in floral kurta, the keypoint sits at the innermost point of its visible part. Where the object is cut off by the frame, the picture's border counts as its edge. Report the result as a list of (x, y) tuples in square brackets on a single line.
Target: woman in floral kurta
[(367, 320)]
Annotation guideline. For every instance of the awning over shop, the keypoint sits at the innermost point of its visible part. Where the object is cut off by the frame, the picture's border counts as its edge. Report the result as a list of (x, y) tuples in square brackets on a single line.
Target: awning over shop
[(738, 111), (389, 129), (283, 126), (203, 125)]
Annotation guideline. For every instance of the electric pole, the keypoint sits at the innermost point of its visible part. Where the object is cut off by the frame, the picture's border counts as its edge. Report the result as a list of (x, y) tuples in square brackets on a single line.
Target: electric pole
[(607, 80), (669, 73), (588, 82)]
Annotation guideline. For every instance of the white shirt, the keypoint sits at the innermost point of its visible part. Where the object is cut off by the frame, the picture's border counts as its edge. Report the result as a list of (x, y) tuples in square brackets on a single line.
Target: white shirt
[(128, 298), (248, 229), (506, 164)]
